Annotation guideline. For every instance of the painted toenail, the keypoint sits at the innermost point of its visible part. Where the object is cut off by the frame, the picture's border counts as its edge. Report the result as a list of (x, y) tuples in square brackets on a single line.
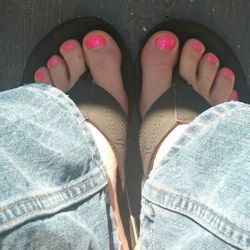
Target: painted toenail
[(53, 61), (68, 46), (166, 43), (212, 59), (95, 42), (228, 74), (234, 96), (197, 46), (39, 76)]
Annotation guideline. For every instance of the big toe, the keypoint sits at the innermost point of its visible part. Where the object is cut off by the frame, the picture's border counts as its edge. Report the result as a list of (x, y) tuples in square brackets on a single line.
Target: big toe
[(103, 57), (158, 58)]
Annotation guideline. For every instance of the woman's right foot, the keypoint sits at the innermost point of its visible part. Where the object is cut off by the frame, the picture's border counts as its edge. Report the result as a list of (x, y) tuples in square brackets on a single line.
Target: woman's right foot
[(199, 69), (103, 57)]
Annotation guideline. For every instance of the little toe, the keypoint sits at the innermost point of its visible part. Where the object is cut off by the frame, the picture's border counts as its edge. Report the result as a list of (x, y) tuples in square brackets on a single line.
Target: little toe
[(234, 96), (206, 72), (191, 54), (59, 73), (222, 87), (72, 53), (42, 75)]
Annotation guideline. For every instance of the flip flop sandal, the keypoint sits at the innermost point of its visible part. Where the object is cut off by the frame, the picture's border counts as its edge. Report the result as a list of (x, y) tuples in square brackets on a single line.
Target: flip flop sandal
[(97, 105), (180, 103)]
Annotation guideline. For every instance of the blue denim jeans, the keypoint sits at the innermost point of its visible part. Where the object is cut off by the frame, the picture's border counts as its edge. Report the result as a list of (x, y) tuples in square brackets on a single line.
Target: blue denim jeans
[(53, 183), (198, 197)]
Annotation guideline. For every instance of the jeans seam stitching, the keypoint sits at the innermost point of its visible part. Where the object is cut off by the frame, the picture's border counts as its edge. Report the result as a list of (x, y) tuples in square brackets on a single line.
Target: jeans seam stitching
[(83, 182), (27, 215), (177, 196)]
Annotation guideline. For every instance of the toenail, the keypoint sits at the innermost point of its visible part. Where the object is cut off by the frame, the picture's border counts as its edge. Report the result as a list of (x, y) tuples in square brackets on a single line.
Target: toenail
[(68, 46), (166, 43), (212, 59), (53, 61), (39, 76), (228, 74), (197, 46), (95, 42), (234, 96)]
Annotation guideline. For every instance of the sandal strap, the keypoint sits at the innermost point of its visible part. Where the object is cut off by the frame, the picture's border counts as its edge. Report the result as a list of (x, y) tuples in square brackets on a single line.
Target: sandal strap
[(102, 110), (179, 104)]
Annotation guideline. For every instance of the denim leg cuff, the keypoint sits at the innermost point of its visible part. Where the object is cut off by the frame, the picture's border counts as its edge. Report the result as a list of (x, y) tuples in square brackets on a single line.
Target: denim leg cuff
[(199, 192), (49, 160)]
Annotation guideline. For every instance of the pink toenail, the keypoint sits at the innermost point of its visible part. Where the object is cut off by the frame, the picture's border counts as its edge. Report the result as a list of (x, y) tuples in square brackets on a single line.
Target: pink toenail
[(68, 46), (39, 76), (53, 61), (212, 59), (95, 42), (234, 96), (228, 74), (166, 43), (197, 46)]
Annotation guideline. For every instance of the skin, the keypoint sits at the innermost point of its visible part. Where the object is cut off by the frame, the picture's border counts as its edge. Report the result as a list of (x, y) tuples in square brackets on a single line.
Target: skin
[(102, 56)]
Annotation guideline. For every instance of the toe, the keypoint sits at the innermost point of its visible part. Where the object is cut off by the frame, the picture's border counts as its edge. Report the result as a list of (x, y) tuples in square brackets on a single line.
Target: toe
[(158, 58), (103, 58), (206, 72), (234, 96), (222, 87), (42, 75), (96, 44), (191, 54), (59, 73), (72, 53), (161, 48)]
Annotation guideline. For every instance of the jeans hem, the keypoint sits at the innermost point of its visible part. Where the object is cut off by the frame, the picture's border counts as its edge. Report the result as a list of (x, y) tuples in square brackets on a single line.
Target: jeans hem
[(200, 213), (23, 210), (37, 203)]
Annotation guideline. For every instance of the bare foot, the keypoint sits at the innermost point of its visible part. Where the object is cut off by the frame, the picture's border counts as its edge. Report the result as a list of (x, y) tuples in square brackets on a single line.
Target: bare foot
[(199, 69), (102, 56)]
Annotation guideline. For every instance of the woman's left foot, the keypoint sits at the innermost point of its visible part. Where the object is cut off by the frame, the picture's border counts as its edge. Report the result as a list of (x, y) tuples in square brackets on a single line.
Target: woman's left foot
[(199, 69)]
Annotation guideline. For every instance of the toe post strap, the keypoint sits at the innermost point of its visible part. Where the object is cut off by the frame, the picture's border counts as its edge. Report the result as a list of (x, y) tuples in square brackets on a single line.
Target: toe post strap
[(105, 113), (188, 103), (179, 104)]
